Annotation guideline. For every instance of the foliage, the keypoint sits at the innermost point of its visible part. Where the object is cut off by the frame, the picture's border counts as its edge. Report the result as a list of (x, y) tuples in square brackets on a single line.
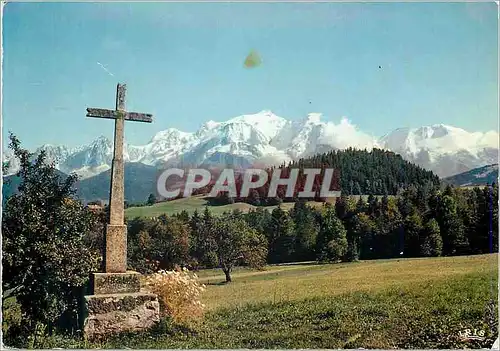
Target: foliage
[(306, 232), (179, 294), (234, 243), (377, 172), (332, 240), (375, 227), (280, 232), (432, 244), (151, 200), (158, 243), (45, 256)]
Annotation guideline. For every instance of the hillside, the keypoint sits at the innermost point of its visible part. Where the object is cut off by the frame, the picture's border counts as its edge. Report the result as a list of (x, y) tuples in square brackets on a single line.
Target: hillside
[(10, 184), (140, 181), (375, 172), (478, 176), (356, 172)]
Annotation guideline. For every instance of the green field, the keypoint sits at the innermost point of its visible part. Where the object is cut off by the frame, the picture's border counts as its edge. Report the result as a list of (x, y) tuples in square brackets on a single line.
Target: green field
[(399, 303), (190, 204), (296, 282), (374, 304)]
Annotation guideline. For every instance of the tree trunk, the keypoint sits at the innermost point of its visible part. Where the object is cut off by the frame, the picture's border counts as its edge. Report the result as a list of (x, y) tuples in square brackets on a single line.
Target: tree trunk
[(227, 272)]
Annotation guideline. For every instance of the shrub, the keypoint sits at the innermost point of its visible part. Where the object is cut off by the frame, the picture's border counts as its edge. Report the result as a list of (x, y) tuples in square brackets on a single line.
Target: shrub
[(45, 257), (179, 294)]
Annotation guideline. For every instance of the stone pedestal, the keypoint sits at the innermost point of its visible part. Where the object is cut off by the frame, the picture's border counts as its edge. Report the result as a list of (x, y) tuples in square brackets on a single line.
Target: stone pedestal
[(117, 305), (116, 248)]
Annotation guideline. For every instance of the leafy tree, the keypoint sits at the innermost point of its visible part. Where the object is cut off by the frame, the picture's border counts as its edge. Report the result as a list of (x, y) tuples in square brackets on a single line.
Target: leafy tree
[(388, 231), (235, 242), (158, 243), (432, 244), (197, 241), (170, 243), (45, 257)]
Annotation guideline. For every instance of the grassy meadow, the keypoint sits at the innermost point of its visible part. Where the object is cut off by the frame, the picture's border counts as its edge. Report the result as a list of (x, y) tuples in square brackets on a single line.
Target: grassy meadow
[(199, 202), (288, 283), (397, 303)]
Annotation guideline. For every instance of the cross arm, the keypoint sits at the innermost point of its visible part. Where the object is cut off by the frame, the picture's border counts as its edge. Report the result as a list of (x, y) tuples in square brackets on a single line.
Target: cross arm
[(113, 114)]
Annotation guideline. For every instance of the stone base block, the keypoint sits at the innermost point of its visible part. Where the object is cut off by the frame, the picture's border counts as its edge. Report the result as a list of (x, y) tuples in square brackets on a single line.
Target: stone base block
[(108, 314), (116, 248), (116, 283)]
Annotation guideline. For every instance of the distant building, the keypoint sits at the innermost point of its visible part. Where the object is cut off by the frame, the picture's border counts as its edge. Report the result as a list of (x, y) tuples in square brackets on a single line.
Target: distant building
[(96, 206)]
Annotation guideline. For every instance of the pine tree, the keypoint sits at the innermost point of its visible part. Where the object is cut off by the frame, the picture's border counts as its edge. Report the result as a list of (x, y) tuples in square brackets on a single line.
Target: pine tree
[(306, 232), (412, 232), (151, 199), (451, 227), (332, 237), (280, 235), (432, 244)]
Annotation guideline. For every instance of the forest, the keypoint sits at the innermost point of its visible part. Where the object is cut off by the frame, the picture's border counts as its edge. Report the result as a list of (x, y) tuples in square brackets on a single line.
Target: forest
[(420, 221)]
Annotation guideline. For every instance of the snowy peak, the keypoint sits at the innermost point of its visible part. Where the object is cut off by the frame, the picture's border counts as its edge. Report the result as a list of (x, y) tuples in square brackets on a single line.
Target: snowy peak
[(266, 138), (440, 138), (170, 134), (314, 118), (265, 122), (444, 149)]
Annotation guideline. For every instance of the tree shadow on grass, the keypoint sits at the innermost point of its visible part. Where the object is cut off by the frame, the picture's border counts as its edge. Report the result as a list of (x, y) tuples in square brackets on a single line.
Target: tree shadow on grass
[(217, 284)]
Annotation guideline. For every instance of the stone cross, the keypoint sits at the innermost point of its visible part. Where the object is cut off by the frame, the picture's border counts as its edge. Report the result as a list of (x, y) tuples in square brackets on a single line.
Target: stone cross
[(116, 231)]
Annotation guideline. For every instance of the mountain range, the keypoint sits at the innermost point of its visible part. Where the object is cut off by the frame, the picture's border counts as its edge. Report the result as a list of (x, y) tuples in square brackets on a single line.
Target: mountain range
[(478, 176), (265, 138)]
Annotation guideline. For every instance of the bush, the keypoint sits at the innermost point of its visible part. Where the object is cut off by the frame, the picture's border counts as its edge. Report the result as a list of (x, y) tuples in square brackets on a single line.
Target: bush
[(45, 255), (179, 294)]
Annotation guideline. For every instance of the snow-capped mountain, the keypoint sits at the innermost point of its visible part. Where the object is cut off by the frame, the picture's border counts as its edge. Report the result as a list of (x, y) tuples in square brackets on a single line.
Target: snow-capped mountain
[(446, 150), (266, 138)]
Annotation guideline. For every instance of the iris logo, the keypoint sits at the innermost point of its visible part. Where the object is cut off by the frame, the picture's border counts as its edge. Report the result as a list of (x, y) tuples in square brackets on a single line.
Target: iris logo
[(471, 334)]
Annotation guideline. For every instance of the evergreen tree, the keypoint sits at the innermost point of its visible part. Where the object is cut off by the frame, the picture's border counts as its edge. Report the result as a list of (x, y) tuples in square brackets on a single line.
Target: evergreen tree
[(280, 235), (183, 216), (151, 200), (451, 227), (306, 232), (412, 232), (432, 244), (332, 240)]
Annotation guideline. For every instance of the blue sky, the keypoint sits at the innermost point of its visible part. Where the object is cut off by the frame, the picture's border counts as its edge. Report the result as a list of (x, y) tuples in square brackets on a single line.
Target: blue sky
[(183, 62)]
